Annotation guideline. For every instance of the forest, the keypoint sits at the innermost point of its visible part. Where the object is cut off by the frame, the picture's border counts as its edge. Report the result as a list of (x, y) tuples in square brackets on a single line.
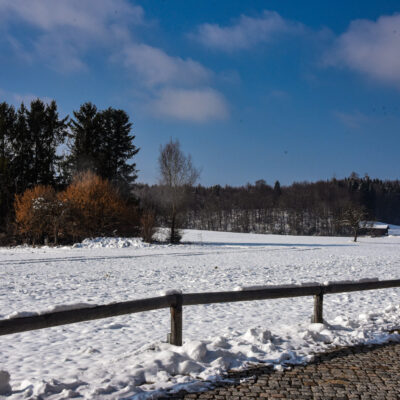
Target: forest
[(64, 179), (302, 208)]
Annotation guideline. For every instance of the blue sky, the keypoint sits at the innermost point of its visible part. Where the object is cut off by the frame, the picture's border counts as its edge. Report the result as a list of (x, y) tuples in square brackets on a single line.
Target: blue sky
[(253, 90)]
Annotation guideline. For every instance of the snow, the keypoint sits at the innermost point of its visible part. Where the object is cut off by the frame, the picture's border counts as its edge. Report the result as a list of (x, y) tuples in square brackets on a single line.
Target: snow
[(265, 287), (67, 307), (57, 308), (127, 357), (21, 314), (394, 230), (111, 243), (170, 291)]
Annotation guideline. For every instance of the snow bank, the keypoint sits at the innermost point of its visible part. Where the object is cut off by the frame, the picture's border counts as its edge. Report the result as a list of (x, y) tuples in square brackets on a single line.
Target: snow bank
[(111, 243), (199, 363)]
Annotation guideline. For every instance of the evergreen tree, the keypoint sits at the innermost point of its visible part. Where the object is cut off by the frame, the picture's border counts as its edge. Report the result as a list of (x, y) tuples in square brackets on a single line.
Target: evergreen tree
[(85, 141), (117, 148), (101, 142), (7, 126), (277, 193), (277, 189), (46, 132), (23, 153)]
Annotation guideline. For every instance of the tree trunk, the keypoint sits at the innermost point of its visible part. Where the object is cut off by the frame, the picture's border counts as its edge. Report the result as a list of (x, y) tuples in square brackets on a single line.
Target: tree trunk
[(174, 237), (55, 235), (172, 233)]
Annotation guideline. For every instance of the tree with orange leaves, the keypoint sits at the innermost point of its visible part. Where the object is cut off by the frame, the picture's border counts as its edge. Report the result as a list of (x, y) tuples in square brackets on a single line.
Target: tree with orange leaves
[(95, 208), (38, 213), (90, 206)]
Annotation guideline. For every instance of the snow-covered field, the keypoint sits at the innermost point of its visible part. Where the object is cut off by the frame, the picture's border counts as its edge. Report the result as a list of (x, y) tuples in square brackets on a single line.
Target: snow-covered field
[(127, 356)]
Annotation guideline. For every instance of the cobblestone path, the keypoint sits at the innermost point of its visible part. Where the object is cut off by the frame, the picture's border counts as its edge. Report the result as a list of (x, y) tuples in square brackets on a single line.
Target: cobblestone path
[(360, 372)]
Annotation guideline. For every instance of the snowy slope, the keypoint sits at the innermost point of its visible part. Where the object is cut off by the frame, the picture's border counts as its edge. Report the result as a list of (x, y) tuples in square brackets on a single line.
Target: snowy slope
[(394, 230), (126, 357)]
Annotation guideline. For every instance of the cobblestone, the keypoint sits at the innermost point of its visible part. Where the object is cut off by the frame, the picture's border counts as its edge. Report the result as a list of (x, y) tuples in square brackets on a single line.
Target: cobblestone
[(359, 372)]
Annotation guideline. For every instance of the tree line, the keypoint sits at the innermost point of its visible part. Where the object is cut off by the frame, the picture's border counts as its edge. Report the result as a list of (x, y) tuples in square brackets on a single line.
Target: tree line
[(303, 208), (65, 179)]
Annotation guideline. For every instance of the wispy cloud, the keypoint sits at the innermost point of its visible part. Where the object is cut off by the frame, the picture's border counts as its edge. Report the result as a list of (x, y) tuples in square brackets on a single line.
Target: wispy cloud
[(63, 30), (246, 32), (27, 98), (80, 15), (353, 120), (371, 48), (198, 105), (156, 67), (18, 49), (178, 88), (278, 94)]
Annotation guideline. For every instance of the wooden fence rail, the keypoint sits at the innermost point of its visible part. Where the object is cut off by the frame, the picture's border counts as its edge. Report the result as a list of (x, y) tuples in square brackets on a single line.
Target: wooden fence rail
[(176, 302)]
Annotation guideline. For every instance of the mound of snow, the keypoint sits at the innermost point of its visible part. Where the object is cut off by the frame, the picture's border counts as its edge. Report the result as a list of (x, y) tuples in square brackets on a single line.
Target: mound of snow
[(256, 335), (21, 314), (199, 362), (111, 243)]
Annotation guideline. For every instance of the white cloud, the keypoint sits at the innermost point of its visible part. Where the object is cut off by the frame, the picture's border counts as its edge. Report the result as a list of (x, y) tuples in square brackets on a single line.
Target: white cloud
[(82, 15), (370, 47), (156, 67), (195, 105), (247, 32), (63, 30), (61, 54)]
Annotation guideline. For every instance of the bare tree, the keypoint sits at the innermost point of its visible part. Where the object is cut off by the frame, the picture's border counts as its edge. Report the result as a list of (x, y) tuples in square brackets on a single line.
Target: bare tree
[(354, 217), (177, 174)]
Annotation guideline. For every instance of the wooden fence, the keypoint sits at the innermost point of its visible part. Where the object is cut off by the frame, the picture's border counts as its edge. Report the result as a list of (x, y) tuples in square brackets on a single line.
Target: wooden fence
[(176, 302)]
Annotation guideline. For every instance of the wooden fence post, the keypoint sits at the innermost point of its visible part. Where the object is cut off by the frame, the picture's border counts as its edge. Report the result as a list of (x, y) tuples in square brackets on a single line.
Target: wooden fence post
[(318, 309), (175, 337)]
